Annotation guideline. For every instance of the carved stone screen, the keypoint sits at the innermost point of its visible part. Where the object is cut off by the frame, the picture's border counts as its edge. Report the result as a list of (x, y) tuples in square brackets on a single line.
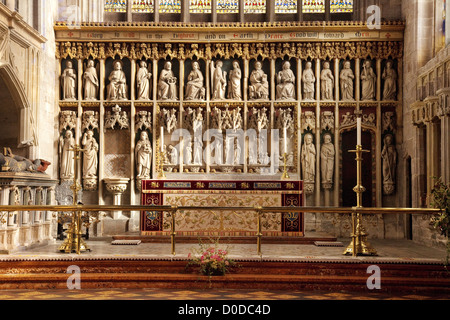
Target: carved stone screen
[(231, 102)]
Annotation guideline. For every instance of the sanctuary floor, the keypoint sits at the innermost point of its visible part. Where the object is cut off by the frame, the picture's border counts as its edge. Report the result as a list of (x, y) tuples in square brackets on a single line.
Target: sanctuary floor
[(387, 250)]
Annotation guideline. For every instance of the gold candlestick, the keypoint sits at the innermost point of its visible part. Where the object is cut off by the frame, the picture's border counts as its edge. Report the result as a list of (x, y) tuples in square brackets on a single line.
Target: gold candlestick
[(285, 171), (359, 244), (74, 241)]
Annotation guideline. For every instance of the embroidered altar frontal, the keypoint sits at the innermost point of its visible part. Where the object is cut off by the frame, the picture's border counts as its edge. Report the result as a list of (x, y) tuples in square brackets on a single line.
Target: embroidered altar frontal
[(232, 194)]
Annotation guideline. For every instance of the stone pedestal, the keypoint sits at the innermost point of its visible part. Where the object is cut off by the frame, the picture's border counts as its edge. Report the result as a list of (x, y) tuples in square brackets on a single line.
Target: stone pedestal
[(117, 222)]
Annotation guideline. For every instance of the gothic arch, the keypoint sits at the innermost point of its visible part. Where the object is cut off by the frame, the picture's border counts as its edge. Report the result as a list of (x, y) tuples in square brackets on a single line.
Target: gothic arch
[(23, 124)]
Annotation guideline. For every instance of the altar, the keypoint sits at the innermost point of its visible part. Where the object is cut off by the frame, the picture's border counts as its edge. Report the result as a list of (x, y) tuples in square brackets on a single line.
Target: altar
[(222, 223)]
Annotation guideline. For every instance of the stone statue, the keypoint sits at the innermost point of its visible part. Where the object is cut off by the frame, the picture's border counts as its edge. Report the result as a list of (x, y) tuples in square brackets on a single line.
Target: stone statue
[(309, 79), (167, 84), (68, 82), (237, 153), (90, 157), (187, 155), (195, 89), (327, 82), (91, 83), (66, 154), (368, 81), (308, 159), (219, 81), (346, 79), (327, 156), (259, 85), (143, 77), (390, 82), (143, 154), (117, 88), (389, 156), (234, 83), (173, 154), (14, 163), (286, 83)]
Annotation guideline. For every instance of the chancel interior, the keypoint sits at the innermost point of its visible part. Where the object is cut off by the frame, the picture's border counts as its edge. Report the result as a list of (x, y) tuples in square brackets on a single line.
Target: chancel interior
[(222, 103)]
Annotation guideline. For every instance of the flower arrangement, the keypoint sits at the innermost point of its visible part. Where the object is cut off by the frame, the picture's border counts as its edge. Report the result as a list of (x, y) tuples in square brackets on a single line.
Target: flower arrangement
[(441, 199), (211, 260)]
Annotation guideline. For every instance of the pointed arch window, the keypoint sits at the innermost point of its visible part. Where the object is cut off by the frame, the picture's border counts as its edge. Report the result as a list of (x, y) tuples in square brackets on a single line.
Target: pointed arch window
[(200, 6), (227, 6), (341, 6), (286, 6), (142, 6), (169, 6), (255, 6), (313, 6), (116, 5)]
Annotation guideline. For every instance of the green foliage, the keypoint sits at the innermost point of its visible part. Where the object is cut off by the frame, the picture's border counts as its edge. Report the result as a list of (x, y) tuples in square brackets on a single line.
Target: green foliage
[(440, 199)]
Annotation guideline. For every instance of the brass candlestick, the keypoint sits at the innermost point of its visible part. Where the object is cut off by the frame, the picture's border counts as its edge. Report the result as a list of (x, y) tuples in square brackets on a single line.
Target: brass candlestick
[(285, 171), (74, 241), (359, 244)]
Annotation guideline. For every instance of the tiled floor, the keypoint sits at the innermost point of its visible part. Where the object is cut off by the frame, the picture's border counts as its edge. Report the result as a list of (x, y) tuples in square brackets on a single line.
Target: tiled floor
[(206, 294)]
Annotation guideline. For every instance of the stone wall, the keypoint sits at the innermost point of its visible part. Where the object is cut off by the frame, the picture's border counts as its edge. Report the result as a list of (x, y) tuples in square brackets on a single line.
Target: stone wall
[(424, 112)]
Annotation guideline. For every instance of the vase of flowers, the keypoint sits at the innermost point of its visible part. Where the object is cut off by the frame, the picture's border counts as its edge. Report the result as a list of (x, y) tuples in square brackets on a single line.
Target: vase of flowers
[(211, 260)]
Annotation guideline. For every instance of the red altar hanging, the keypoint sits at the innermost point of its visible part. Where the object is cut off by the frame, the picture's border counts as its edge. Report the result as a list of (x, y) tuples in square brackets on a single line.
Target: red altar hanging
[(232, 194)]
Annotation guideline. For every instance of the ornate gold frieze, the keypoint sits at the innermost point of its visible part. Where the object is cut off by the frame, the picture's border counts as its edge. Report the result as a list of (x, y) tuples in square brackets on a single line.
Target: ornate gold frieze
[(70, 104), (248, 51)]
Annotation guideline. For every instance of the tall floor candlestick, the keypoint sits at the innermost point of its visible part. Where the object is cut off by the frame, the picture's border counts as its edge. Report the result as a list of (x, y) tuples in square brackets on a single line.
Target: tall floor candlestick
[(359, 244), (74, 241)]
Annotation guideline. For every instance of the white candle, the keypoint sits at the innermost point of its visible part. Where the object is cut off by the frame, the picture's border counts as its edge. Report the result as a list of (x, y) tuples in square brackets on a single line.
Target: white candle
[(358, 125), (162, 139), (285, 140)]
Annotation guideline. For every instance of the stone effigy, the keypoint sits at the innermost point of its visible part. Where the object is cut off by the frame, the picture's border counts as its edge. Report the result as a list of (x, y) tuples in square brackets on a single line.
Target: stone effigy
[(14, 163)]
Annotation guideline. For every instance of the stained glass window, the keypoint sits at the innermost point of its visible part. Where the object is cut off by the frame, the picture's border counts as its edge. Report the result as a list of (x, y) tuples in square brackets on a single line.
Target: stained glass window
[(313, 6), (341, 6), (116, 5), (255, 6), (142, 6), (286, 6), (227, 6), (200, 6), (169, 6)]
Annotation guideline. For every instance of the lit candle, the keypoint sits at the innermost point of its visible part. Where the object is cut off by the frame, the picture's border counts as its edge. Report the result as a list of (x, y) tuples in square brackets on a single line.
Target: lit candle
[(285, 140), (358, 125), (162, 139)]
